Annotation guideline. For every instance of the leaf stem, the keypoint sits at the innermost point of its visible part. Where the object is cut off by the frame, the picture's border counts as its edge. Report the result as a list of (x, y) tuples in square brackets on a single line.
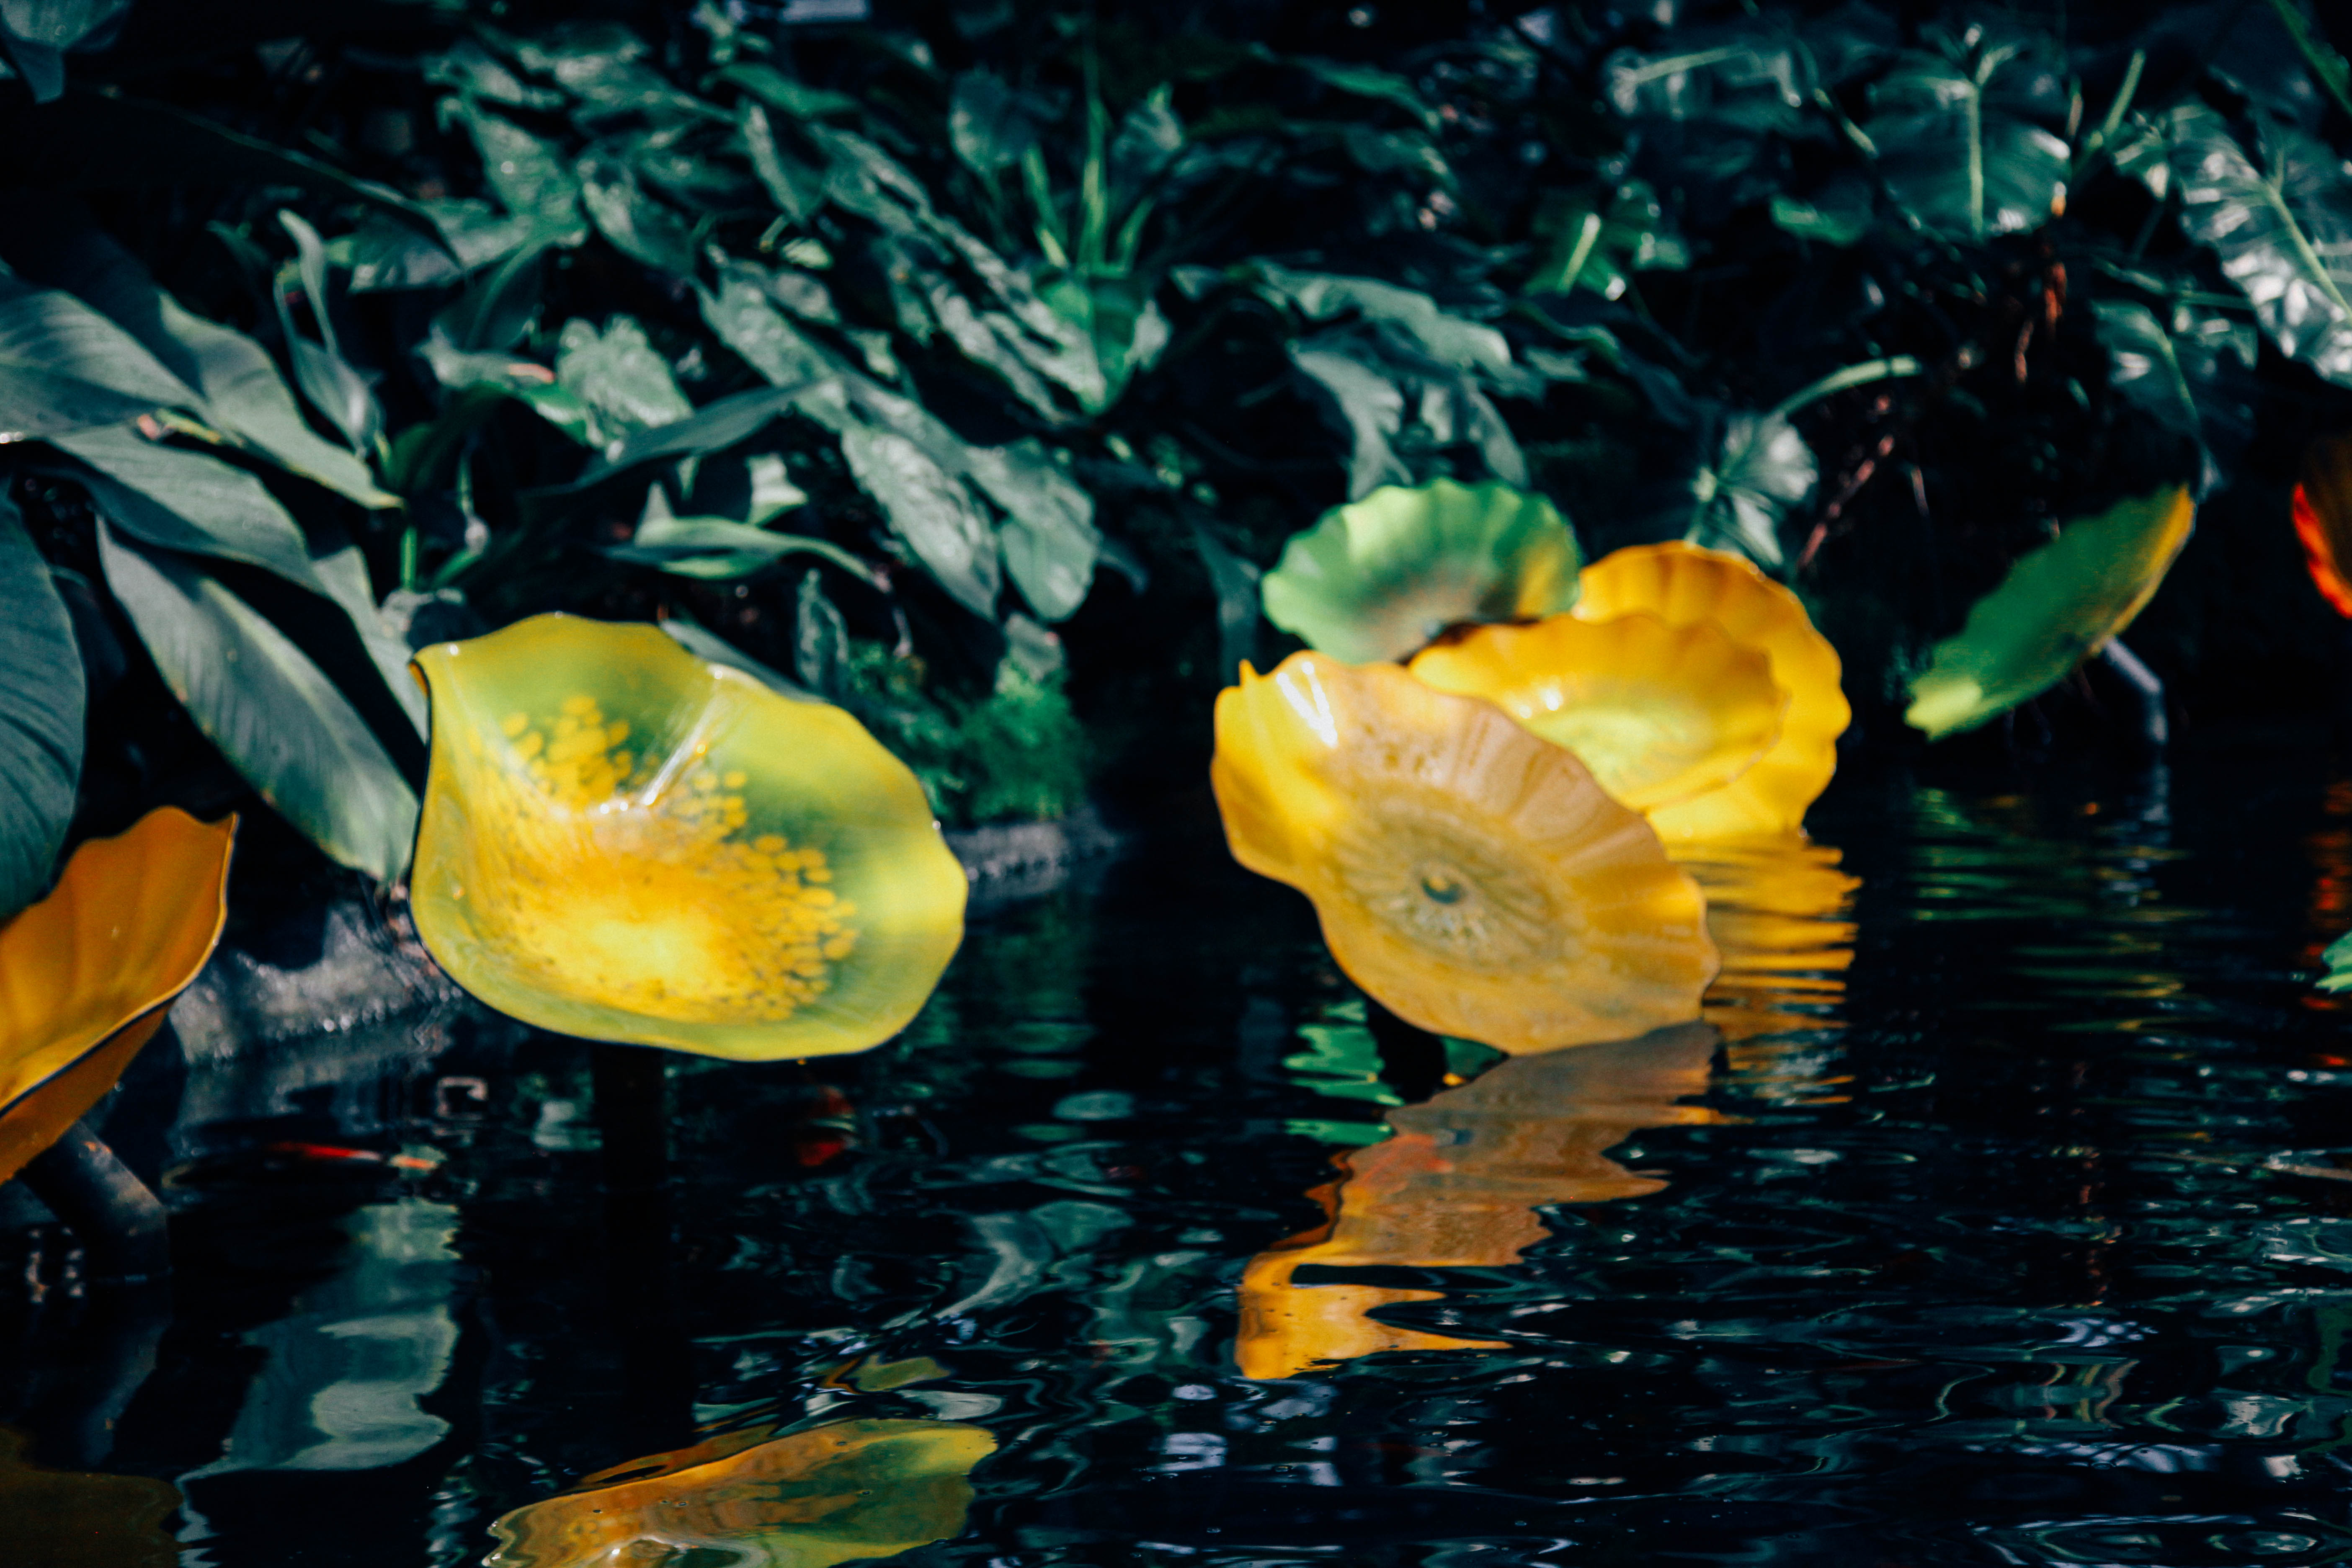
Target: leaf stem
[(1853, 375)]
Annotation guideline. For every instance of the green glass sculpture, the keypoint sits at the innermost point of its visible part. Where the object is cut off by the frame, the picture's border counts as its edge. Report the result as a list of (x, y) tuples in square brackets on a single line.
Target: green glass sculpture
[(1379, 578), (2059, 602)]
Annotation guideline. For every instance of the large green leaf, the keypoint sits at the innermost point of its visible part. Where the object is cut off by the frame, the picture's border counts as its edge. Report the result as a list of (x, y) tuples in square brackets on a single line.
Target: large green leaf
[(274, 714), (931, 511), (2141, 363), (2284, 231), (64, 367), (58, 24), (530, 177), (712, 429), (1960, 132), (992, 124), (620, 375), (332, 383), (639, 227), (1368, 405), (198, 505), (718, 547), (1762, 471), (1048, 536), (241, 393), (41, 700)]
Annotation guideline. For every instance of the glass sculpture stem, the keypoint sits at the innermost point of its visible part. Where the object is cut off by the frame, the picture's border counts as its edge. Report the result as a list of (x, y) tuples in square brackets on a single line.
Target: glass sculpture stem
[(631, 1088), (121, 1225)]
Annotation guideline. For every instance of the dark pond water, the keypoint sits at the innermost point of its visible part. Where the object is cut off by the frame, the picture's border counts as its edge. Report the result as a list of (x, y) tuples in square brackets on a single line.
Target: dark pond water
[(1994, 1219)]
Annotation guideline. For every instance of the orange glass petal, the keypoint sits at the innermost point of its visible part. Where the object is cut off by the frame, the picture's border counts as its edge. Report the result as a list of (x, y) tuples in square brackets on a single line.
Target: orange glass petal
[(843, 1492), (1461, 1184), (622, 842), (2323, 520), (1659, 712), (1682, 584), (85, 974), (1473, 878)]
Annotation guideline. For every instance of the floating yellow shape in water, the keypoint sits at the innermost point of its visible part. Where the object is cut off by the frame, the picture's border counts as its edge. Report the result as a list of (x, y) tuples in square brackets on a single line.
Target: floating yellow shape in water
[(2060, 602), (1660, 713), (1684, 584), (1460, 1185), (843, 1492), (624, 843), (1473, 878), (85, 974)]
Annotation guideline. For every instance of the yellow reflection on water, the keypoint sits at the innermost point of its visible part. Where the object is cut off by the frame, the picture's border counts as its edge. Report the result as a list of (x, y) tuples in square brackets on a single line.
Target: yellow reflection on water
[(841, 1492), (1460, 1184)]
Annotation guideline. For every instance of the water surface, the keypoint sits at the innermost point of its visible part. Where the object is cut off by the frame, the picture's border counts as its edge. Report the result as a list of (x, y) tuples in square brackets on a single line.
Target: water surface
[(1960, 1233)]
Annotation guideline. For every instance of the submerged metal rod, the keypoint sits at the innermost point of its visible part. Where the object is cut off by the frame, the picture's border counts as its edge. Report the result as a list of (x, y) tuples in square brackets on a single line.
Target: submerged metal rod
[(123, 1228), (2153, 728)]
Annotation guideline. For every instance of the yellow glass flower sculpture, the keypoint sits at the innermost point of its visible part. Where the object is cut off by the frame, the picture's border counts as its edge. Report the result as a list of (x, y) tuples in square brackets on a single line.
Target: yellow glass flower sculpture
[(624, 843), (1660, 713), (2059, 602), (1684, 584), (1461, 1184), (85, 974), (1379, 577), (847, 1491), (1473, 878)]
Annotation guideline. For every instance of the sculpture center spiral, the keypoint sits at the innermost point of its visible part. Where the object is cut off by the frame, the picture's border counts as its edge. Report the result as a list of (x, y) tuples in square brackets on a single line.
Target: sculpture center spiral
[(1441, 881)]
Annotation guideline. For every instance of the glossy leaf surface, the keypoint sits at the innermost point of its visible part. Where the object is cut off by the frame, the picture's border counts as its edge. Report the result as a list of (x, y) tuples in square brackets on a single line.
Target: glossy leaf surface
[(130, 924), (1379, 578), (1684, 584), (272, 713), (2059, 602), (1660, 713), (622, 842), (1473, 878), (41, 710), (2283, 229)]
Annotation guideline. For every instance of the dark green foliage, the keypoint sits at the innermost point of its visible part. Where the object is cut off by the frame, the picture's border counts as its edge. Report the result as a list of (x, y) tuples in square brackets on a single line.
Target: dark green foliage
[(1057, 318)]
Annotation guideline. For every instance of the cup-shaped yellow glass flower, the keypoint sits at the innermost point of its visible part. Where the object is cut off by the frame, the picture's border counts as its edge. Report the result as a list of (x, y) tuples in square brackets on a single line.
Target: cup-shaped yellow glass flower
[(85, 974), (1684, 584), (1379, 577), (847, 1491), (622, 842), (1660, 713), (2060, 601), (1474, 879)]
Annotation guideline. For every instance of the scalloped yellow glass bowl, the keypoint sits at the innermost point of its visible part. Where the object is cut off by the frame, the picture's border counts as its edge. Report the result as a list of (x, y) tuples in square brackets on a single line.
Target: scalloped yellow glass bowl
[(624, 843), (1659, 712), (847, 1491), (1683, 585), (1474, 879), (2059, 602), (85, 974)]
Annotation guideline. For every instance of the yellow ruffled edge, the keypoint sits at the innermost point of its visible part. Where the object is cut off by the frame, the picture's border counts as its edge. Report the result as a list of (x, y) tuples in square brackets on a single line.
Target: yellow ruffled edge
[(1496, 663), (448, 935), (1261, 754), (1681, 583), (50, 1082)]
